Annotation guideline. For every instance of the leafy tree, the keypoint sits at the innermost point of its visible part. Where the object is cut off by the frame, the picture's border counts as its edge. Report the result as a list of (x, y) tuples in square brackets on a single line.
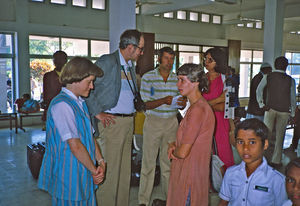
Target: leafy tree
[(38, 68)]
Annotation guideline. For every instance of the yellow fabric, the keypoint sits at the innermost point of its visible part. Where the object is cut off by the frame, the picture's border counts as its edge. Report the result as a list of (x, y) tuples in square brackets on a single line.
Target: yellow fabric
[(139, 123)]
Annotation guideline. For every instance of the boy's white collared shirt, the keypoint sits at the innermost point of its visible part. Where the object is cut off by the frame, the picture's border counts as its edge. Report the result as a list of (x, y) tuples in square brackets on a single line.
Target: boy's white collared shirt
[(264, 187)]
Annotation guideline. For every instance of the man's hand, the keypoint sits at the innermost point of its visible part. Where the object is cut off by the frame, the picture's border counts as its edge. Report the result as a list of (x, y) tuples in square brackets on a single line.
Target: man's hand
[(106, 119), (168, 100), (181, 101), (266, 108), (171, 149)]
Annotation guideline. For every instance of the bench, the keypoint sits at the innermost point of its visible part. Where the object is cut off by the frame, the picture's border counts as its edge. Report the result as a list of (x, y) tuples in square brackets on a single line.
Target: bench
[(10, 116), (23, 115)]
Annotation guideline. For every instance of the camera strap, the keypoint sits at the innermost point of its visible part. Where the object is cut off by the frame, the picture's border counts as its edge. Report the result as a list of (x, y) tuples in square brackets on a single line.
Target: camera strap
[(135, 91)]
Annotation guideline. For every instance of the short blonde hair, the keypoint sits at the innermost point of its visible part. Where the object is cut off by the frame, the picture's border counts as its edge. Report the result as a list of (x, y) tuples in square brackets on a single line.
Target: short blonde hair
[(77, 69)]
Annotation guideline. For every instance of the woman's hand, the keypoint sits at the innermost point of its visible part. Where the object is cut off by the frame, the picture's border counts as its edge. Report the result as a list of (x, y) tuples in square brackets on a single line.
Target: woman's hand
[(171, 149), (99, 175)]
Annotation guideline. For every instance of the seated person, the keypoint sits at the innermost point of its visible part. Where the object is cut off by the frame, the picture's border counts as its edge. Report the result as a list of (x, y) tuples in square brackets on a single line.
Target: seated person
[(27, 105), (253, 182), (292, 183)]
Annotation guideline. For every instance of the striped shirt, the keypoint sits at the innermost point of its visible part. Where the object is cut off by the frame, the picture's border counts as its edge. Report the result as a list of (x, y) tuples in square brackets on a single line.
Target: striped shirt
[(154, 87)]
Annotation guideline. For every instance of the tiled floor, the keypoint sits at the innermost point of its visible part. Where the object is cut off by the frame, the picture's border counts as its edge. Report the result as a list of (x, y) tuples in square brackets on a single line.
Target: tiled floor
[(18, 188)]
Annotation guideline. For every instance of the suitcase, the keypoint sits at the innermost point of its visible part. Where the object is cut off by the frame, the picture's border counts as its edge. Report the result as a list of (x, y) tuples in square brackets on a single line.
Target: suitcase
[(35, 154)]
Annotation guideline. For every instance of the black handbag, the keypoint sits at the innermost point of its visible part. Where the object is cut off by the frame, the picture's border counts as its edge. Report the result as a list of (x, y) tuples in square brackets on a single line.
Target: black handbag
[(139, 104), (35, 154)]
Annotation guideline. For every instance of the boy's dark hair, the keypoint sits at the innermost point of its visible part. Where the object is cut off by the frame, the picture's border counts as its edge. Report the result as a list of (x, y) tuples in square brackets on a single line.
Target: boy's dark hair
[(219, 56), (257, 126), (281, 63), (295, 163)]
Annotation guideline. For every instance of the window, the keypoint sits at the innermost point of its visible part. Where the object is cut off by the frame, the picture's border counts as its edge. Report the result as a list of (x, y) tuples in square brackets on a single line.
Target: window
[(7, 71), (157, 15), (216, 19), (250, 25), (58, 1), (75, 47), (137, 10), (81, 3), (98, 48), (205, 18), (181, 15), (168, 15), (98, 4), (294, 65), (189, 54), (240, 25), (258, 25), (41, 49), (194, 16), (38, 0), (250, 62)]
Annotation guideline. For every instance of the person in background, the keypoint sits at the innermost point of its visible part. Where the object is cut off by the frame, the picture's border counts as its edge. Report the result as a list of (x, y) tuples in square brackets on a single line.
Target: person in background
[(112, 109), (51, 84), (72, 165), (158, 88), (292, 183), (235, 79), (280, 104), (253, 110), (216, 64), (191, 153), (253, 181), (27, 105)]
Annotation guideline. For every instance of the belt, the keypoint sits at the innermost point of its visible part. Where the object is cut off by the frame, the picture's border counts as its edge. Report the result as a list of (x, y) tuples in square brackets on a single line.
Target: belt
[(122, 115)]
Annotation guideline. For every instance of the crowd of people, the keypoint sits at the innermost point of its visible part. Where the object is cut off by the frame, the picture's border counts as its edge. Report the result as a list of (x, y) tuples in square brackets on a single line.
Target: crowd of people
[(90, 122)]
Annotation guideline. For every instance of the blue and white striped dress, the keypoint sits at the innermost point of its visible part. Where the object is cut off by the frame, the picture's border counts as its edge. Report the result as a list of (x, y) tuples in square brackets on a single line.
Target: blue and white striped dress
[(61, 174)]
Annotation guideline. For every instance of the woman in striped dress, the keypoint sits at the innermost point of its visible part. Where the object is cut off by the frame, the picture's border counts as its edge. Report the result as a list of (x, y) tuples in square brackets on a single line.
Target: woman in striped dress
[(69, 172)]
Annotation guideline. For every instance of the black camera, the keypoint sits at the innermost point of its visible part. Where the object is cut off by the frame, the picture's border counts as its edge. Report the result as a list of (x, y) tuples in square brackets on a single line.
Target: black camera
[(139, 104)]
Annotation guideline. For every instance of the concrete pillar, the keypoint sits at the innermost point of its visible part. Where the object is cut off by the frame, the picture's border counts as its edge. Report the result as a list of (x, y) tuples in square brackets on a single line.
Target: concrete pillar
[(22, 51), (121, 17), (273, 30)]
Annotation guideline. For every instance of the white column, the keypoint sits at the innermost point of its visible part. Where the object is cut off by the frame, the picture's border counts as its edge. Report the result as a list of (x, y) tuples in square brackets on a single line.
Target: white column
[(121, 17), (22, 51), (273, 30)]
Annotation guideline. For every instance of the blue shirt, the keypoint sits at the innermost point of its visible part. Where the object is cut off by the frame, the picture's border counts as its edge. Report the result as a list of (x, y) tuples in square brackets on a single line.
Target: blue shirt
[(125, 101), (264, 187)]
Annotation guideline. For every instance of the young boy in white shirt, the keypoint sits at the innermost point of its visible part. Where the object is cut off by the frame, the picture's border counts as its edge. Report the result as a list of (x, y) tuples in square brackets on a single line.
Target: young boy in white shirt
[(253, 182)]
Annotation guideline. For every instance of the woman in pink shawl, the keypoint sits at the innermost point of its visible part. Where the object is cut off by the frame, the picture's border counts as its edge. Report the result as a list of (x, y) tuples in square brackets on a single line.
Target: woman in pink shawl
[(216, 64)]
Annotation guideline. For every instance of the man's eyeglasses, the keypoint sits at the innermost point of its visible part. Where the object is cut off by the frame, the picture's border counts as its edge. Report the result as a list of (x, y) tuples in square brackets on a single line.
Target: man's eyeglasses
[(209, 60), (141, 49)]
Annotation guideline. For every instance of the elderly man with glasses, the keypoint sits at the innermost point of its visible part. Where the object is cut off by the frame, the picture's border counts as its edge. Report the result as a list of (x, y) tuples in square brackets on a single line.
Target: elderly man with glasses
[(112, 109)]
